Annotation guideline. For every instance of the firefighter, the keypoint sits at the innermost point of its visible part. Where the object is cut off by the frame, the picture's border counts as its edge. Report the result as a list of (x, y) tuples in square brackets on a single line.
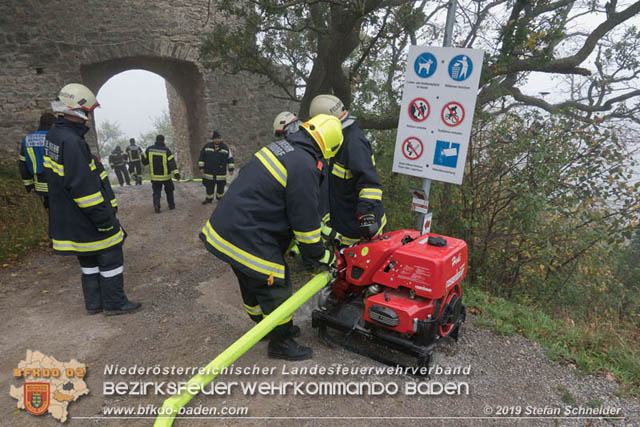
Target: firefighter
[(285, 124), (82, 219), (134, 157), (30, 159), (273, 200), (215, 159), (355, 192), (162, 165), (118, 162)]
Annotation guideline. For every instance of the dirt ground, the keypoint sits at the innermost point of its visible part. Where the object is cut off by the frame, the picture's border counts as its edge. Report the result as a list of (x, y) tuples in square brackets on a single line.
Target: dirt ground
[(192, 311)]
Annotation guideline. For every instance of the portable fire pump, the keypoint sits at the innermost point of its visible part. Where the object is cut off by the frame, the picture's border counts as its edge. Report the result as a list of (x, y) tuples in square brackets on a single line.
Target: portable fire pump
[(401, 290)]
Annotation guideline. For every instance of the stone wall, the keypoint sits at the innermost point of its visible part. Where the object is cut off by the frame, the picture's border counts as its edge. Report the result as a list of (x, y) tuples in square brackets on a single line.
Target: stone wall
[(45, 45)]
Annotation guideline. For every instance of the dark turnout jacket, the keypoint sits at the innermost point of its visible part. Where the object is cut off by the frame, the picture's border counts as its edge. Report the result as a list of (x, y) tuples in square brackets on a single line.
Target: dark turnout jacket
[(30, 162), (273, 200), (133, 154), (354, 185), (117, 159), (82, 220), (161, 162), (214, 161)]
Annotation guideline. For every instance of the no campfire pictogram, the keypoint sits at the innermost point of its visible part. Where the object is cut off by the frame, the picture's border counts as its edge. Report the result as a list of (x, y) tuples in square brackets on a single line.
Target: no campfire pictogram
[(412, 148), (453, 114), (419, 109)]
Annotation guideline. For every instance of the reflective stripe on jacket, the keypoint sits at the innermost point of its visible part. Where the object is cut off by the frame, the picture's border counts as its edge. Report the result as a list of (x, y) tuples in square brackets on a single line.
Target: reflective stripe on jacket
[(214, 161), (161, 162), (273, 200), (31, 161), (354, 185), (134, 153), (82, 220)]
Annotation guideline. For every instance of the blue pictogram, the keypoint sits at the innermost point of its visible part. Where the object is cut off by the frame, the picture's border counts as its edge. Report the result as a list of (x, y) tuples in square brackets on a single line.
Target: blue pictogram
[(446, 154), (425, 65), (460, 68)]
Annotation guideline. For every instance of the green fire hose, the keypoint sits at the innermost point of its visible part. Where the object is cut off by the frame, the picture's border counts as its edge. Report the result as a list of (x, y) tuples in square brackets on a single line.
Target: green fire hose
[(172, 405)]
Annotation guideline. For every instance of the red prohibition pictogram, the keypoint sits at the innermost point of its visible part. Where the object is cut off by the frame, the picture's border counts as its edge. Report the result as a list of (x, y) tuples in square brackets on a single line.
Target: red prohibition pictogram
[(412, 148), (452, 114), (419, 109)]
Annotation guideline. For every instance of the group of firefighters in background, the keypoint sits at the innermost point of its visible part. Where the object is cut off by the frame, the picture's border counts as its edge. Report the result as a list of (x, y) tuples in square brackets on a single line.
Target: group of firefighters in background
[(132, 157), (315, 183)]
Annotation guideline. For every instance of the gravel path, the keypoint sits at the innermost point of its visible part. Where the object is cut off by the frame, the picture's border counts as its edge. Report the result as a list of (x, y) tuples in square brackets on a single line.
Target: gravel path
[(192, 311)]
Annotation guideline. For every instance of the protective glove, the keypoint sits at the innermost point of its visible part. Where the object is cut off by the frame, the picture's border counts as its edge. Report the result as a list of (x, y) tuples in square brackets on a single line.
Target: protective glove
[(368, 225), (328, 259), (331, 235), (293, 249), (177, 176)]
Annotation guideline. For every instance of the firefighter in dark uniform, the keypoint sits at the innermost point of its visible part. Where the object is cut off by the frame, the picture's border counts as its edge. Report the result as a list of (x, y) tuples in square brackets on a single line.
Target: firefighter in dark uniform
[(118, 162), (284, 124), (30, 159), (355, 192), (162, 165), (82, 219), (215, 158), (274, 200), (134, 158)]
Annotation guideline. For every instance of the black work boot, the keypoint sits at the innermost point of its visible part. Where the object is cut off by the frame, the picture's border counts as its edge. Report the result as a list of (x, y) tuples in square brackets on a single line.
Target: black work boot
[(157, 209), (129, 307), (114, 299), (288, 349)]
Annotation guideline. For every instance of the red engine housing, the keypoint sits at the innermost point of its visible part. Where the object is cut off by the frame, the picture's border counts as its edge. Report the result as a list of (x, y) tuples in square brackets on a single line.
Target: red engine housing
[(416, 277)]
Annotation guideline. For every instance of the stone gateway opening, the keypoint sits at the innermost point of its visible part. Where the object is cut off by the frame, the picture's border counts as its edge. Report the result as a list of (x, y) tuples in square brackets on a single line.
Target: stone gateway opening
[(185, 91)]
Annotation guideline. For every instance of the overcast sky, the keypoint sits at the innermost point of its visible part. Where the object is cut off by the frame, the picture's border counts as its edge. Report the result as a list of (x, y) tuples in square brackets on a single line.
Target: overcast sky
[(132, 99)]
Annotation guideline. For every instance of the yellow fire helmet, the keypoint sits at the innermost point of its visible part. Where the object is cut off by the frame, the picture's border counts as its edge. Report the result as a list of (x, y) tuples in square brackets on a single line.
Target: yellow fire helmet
[(326, 131), (76, 100)]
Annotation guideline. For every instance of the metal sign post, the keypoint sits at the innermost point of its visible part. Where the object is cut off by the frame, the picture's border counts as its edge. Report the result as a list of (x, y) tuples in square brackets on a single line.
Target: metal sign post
[(436, 114), (448, 33)]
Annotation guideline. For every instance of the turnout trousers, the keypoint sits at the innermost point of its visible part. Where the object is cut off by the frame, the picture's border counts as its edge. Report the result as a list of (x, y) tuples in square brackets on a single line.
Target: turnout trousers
[(135, 169), (157, 192), (122, 174), (210, 187), (103, 280), (260, 299)]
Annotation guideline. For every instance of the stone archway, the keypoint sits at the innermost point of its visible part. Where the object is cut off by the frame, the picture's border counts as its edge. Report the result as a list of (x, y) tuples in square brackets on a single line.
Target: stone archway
[(99, 39), (185, 88)]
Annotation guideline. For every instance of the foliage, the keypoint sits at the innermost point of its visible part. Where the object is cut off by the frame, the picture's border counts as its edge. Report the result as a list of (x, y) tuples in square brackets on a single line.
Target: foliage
[(544, 202), (346, 47), (23, 220), (593, 345), (110, 135), (161, 126)]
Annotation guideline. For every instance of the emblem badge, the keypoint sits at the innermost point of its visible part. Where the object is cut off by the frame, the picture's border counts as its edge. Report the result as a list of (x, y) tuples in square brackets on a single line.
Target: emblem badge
[(36, 398)]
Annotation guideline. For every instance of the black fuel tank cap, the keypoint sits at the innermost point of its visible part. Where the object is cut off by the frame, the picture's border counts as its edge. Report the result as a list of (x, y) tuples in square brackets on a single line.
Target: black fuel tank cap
[(437, 241)]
